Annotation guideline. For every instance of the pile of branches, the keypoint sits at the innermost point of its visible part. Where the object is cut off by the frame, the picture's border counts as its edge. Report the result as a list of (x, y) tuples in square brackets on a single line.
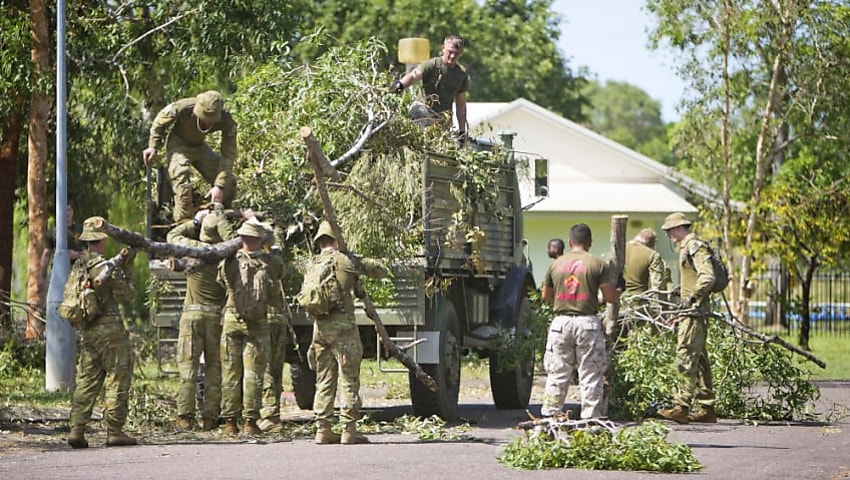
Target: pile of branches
[(756, 376)]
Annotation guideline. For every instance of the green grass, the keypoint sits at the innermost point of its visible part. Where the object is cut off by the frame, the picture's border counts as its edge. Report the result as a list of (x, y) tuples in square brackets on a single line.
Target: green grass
[(833, 351)]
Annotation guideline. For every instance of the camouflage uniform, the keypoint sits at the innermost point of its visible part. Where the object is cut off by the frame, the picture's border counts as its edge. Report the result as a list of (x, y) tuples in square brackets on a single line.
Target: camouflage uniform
[(186, 146), (336, 342), (576, 337), (278, 339), (106, 356), (697, 277), (245, 349), (200, 323)]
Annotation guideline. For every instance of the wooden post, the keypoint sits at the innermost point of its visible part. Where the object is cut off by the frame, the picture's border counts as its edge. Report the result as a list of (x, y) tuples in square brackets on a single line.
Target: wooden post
[(612, 310), (318, 161), (617, 260)]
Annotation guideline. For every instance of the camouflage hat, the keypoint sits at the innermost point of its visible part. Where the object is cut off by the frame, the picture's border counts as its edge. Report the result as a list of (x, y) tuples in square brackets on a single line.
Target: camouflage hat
[(93, 230), (252, 228), (208, 106), (324, 230), (675, 220)]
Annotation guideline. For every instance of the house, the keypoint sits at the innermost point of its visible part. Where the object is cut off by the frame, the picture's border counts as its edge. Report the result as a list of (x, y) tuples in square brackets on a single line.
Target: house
[(571, 174)]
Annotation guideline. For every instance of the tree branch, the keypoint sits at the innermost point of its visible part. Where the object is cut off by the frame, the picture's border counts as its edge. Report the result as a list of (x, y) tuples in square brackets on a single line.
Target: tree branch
[(151, 32)]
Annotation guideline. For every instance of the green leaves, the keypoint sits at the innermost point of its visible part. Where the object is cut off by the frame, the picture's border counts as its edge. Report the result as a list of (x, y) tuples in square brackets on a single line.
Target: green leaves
[(643, 447)]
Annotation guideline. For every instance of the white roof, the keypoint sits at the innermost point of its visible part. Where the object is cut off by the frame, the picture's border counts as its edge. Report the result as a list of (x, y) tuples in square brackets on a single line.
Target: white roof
[(611, 198)]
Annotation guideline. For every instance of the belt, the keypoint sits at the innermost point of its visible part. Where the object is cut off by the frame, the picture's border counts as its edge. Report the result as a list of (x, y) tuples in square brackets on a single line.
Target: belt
[(201, 308)]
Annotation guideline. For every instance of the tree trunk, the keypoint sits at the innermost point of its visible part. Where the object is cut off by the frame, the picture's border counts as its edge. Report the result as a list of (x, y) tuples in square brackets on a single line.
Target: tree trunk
[(9, 143), (37, 162), (805, 310), (317, 158)]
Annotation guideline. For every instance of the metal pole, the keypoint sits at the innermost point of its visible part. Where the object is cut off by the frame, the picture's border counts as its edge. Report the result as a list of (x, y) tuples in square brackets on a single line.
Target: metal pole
[(61, 338)]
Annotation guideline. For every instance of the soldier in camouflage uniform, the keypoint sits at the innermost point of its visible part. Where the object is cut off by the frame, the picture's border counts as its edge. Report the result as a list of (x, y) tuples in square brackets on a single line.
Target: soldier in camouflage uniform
[(697, 277), (337, 347), (244, 342), (200, 323), (190, 121), (576, 338), (278, 340), (644, 268), (106, 357)]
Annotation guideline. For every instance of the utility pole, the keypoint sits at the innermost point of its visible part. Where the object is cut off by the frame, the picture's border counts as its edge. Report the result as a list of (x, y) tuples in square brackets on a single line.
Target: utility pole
[(61, 338)]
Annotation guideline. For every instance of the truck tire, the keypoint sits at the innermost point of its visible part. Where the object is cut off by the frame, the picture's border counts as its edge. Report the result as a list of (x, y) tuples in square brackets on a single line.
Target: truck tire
[(511, 387), (447, 373), (303, 383)]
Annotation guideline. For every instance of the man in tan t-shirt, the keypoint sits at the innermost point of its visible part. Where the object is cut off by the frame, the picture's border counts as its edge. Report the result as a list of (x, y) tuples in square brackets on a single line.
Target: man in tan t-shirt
[(576, 338)]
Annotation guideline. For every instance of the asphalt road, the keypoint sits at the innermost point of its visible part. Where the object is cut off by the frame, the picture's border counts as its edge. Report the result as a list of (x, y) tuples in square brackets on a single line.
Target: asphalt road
[(727, 450)]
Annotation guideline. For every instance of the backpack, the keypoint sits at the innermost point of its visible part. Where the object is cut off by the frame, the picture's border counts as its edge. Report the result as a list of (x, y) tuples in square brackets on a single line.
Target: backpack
[(721, 273), (80, 303), (252, 287), (321, 292)]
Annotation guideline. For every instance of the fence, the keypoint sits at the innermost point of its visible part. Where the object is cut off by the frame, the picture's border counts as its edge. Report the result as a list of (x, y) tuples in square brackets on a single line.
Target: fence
[(777, 302)]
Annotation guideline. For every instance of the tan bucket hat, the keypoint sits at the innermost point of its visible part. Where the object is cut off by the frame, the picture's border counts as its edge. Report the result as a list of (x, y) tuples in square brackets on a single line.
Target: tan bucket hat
[(208, 106), (252, 228), (675, 220), (324, 230), (93, 230)]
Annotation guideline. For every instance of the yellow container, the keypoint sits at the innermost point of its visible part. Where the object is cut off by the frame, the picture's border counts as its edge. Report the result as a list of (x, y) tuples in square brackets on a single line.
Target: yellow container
[(413, 50)]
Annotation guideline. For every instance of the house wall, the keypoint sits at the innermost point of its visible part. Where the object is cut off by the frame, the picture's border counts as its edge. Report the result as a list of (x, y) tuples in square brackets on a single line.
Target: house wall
[(544, 226)]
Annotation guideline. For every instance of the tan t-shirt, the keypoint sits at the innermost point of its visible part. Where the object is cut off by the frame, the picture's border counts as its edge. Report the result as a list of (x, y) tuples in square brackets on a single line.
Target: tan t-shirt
[(575, 278)]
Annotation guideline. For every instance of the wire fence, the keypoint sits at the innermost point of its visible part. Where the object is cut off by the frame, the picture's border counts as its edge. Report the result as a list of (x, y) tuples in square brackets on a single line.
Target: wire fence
[(776, 302)]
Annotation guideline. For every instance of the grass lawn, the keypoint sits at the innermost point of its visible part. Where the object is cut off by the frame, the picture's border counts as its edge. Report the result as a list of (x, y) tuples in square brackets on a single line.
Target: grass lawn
[(833, 350)]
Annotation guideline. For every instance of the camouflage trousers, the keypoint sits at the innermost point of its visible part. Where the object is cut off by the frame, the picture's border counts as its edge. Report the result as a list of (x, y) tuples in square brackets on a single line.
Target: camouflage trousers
[(338, 355), (105, 361), (575, 342), (244, 352), (208, 163), (692, 364), (273, 380), (200, 334)]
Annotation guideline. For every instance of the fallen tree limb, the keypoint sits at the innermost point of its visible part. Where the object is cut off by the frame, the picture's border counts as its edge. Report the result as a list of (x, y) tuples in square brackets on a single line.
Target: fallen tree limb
[(210, 254), (316, 158), (646, 307)]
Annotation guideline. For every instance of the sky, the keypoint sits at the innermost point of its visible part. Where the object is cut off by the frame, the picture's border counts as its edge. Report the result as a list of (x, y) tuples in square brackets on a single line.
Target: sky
[(609, 37)]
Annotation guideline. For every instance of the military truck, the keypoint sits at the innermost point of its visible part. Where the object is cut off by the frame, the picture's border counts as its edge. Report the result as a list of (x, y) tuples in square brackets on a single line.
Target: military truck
[(480, 305)]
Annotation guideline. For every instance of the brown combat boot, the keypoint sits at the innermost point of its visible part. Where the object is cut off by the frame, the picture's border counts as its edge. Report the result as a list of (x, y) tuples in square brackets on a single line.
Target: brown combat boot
[(230, 426), (115, 437), (77, 437), (251, 428), (705, 415), (208, 424), (184, 424), (350, 435), (678, 414), (270, 424), (324, 434)]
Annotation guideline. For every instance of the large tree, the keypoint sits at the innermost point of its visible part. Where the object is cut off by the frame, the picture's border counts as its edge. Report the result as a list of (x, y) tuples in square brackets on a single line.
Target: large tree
[(764, 76), (628, 115)]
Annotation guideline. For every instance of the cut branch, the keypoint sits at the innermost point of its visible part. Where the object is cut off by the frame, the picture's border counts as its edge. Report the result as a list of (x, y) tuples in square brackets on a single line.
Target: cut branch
[(315, 156), (210, 254)]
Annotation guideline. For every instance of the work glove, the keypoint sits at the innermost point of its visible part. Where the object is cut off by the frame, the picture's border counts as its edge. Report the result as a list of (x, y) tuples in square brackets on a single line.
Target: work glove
[(397, 86), (688, 303), (200, 215), (460, 137)]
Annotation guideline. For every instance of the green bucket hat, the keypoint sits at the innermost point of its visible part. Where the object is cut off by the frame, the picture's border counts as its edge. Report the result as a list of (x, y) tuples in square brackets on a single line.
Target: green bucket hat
[(324, 230), (93, 230), (252, 228), (208, 106), (675, 220)]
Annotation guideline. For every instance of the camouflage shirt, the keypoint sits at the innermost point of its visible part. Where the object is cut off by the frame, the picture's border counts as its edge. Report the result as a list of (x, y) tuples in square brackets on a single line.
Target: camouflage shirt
[(347, 271), (201, 285), (118, 287), (697, 274), (185, 131)]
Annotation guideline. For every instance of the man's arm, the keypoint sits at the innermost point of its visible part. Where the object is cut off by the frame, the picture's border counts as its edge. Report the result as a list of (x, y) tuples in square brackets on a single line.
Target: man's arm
[(229, 149), (548, 293), (705, 272), (161, 123), (186, 233), (656, 272), (407, 80), (460, 111)]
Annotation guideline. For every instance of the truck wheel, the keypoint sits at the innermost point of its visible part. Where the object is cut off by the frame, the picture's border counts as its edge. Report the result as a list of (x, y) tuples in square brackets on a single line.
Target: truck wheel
[(511, 384), (447, 373), (304, 383)]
